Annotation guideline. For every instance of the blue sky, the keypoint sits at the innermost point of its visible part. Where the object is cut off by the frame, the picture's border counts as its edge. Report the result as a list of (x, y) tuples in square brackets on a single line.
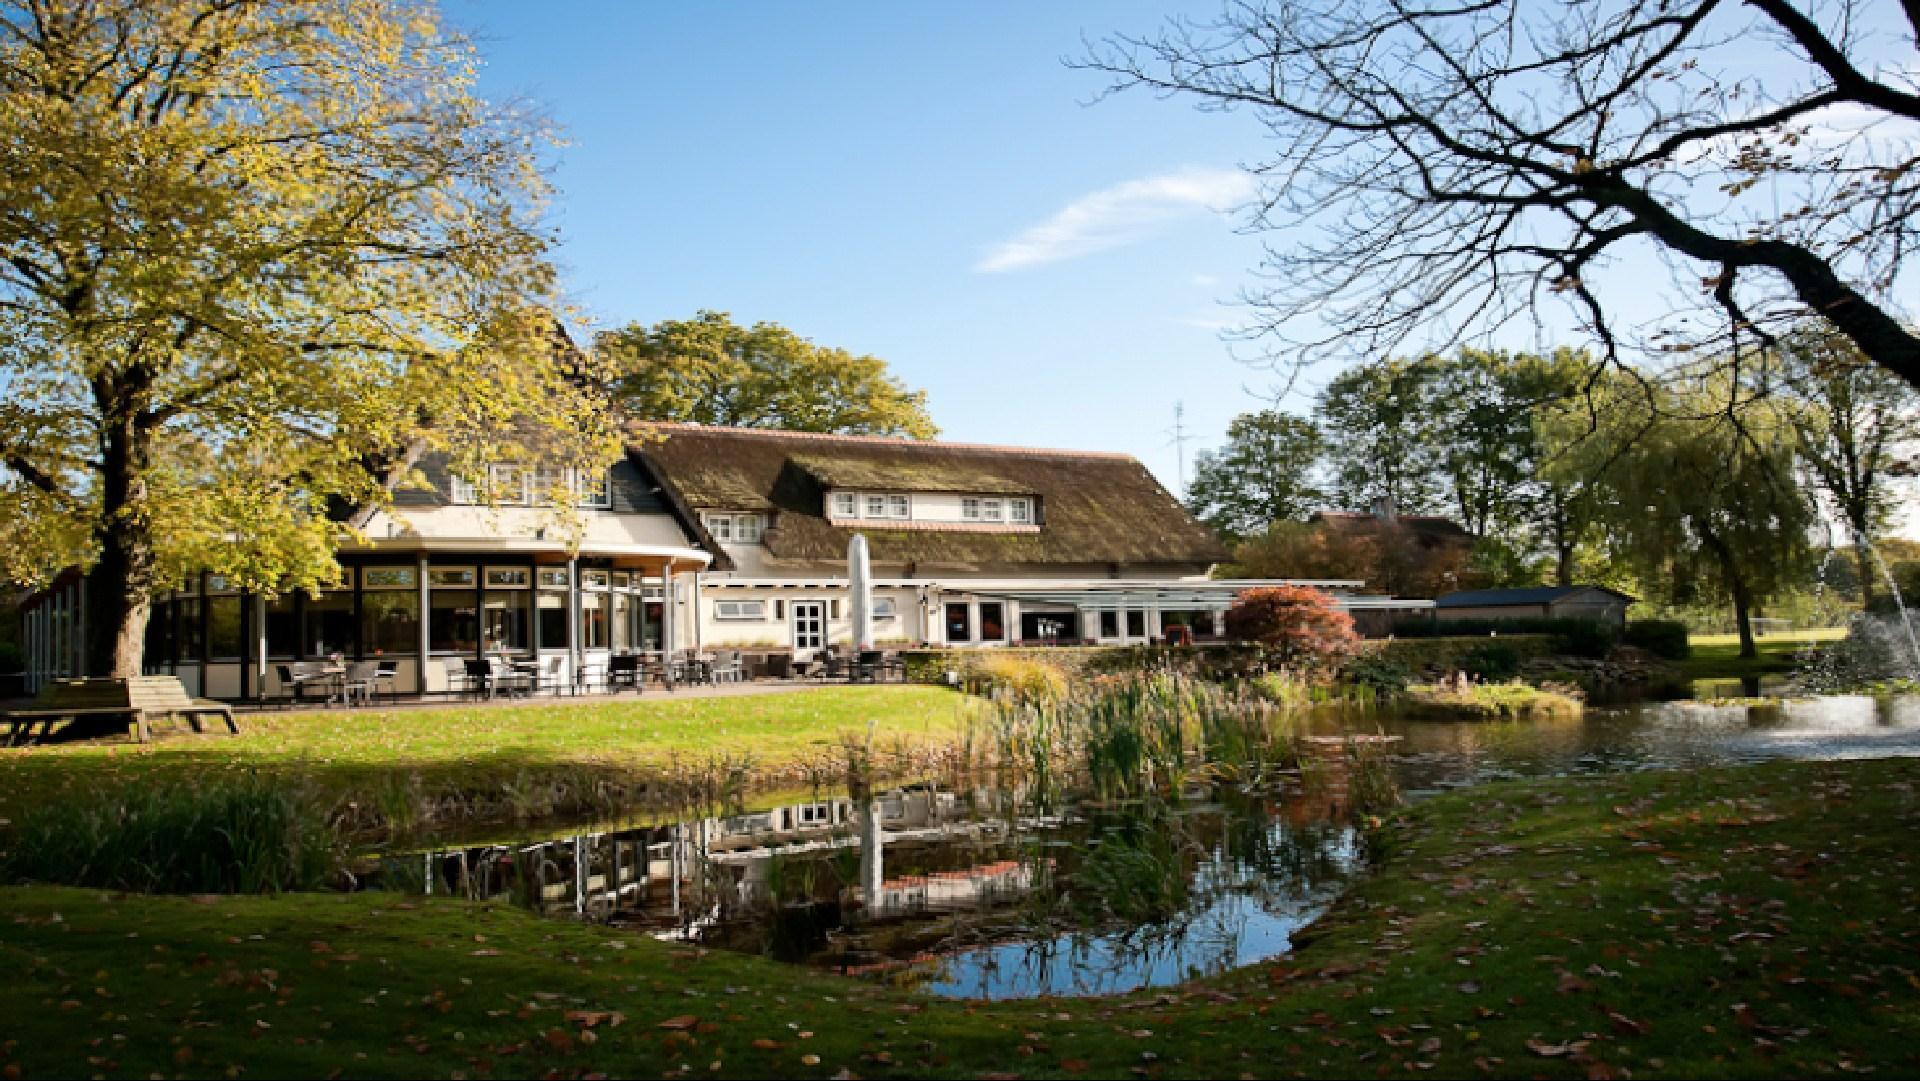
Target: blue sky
[(927, 184)]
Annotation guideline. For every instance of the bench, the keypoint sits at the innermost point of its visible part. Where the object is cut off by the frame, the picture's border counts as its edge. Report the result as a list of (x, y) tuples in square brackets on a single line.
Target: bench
[(135, 702)]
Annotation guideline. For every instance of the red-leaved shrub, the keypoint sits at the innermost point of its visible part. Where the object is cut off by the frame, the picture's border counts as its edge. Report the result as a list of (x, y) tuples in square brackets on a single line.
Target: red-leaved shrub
[(1301, 627)]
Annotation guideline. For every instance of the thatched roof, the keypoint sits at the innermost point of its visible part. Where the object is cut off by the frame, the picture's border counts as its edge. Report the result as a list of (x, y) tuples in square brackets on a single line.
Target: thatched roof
[(1094, 508)]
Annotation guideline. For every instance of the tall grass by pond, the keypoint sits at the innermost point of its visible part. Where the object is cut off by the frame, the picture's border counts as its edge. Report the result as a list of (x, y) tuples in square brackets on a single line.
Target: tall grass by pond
[(246, 835)]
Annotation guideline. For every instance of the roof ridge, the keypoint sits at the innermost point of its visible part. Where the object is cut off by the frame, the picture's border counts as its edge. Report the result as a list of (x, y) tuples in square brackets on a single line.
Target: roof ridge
[(881, 440)]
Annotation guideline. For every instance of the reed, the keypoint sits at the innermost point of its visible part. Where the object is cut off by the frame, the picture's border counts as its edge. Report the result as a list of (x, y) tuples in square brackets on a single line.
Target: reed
[(247, 835)]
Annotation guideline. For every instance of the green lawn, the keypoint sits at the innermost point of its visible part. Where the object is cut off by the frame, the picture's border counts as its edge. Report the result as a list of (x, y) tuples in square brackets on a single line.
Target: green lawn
[(1731, 923), (1717, 656), (465, 753)]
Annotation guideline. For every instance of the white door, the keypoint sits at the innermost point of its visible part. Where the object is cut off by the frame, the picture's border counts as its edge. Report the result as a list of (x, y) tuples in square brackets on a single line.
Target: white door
[(809, 625)]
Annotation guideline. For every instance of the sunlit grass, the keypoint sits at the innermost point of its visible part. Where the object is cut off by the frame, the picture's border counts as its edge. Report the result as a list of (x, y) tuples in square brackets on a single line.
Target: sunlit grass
[(370, 757), (1718, 655)]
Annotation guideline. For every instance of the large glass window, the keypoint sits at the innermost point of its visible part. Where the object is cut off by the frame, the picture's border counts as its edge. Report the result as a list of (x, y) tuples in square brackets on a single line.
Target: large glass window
[(1136, 623), (1109, 624), (283, 628), (594, 613), (328, 624), (993, 622), (189, 628), (507, 619), (390, 621), (959, 624), (160, 634), (225, 642), (622, 621), (552, 606), (452, 625)]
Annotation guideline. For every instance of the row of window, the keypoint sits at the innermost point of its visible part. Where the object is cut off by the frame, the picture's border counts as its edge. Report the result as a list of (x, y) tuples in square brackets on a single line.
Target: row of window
[(1018, 509), (897, 506), (615, 611), (735, 528), (875, 505), (756, 610), (535, 486)]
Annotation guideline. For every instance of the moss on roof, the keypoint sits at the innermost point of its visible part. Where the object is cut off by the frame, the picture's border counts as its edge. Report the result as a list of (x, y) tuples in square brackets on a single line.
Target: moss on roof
[(1094, 508)]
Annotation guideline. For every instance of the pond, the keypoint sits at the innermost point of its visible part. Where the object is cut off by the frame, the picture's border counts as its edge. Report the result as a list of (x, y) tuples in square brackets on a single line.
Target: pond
[(972, 890)]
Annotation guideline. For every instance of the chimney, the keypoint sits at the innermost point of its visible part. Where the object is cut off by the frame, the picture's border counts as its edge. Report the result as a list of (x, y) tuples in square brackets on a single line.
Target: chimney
[(1383, 509)]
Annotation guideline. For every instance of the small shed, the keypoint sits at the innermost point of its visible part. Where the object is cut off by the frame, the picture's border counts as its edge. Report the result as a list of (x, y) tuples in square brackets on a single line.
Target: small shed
[(1536, 602)]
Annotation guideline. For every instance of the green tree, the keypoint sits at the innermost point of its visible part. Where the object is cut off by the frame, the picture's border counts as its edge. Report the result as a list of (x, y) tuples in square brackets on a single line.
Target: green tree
[(1379, 421), (1485, 403), (711, 370), (1267, 472), (253, 255), (1689, 487), (1855, 426)]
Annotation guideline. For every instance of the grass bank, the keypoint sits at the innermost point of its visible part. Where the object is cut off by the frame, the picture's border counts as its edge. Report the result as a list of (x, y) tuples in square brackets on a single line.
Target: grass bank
[(1729, 923), (1717, 656), (1513, 701), (493, 761)]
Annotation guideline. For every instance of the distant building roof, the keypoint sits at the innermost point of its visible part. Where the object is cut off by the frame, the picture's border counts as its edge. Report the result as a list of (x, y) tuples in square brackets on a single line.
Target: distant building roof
[(1499, 598), (1094, 507)]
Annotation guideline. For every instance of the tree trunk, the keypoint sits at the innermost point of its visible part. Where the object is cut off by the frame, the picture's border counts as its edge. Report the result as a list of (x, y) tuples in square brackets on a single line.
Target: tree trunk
[(1863, 557), (1736, 583), (120, 585)]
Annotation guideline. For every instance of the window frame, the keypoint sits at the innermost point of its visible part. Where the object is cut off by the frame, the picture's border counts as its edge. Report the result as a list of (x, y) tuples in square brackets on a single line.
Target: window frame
[(740, 610)]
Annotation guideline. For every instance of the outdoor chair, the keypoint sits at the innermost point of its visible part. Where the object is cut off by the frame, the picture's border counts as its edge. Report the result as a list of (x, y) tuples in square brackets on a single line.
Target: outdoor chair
[(458, 681), (387, 675), (834, 664), (550, 676), (866, 667), (295, 678), (479, 677), (893, 664), (508, 679), (624, 671), (727, 667), (358, 682)]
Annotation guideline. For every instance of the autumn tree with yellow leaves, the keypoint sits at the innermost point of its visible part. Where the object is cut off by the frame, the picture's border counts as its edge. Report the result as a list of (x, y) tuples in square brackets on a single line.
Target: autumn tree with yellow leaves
[(255, 257)]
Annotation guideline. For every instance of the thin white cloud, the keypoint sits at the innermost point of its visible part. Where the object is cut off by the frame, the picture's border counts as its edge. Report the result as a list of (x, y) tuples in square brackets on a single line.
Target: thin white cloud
[(1123, 214)]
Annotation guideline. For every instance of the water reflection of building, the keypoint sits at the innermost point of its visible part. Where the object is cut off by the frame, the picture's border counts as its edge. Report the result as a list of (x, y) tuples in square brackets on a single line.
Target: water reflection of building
[(682, 878)]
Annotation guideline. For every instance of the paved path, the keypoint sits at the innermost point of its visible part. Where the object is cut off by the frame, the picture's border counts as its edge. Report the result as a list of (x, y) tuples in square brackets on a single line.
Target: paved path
[(653, 693)]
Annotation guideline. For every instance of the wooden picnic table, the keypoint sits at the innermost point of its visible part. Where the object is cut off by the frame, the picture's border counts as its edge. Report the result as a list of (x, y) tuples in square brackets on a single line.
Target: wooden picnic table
[(136, 702)]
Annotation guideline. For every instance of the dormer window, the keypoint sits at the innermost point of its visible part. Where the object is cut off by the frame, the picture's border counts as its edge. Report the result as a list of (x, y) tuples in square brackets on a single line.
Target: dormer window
[(734, 528), (1020, 510), (844, 504), (522, 486)]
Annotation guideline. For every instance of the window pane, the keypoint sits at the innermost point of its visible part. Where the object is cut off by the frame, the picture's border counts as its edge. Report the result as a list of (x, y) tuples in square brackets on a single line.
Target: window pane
[(747, 530), (452, 625), (622, 621), (1109, 624), (329, 624), (188, 628), (993, 627), (224, 642), (899, 505), (507, 577), (876, 506), (283, 632), (451, 576), (969, 508), (160, 634), (553, 620), (508, 620), (388, 578), (593, 620), (1136, 623), (390, 621), (959, 627)]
